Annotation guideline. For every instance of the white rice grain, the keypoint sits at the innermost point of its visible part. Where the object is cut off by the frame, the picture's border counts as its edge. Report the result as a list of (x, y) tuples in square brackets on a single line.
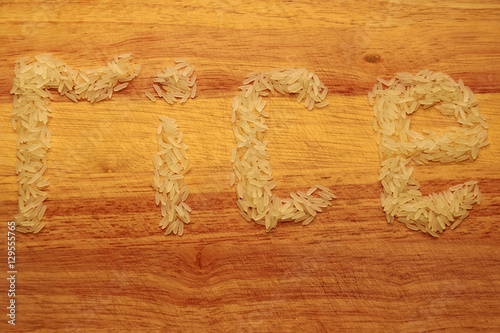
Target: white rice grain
[(31, 114), (250, 158), (399, 145)]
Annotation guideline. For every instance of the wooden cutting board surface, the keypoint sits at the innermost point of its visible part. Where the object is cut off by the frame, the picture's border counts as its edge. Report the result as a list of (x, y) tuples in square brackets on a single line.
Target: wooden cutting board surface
[(102, 264)]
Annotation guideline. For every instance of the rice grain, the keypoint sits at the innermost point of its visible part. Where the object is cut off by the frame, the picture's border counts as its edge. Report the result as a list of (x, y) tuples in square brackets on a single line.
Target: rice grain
[(399, 146), (31, 113), (250, 158)]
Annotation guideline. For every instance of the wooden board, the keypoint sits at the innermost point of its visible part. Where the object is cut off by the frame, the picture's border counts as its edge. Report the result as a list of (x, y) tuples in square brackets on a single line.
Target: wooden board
[(102, 264)]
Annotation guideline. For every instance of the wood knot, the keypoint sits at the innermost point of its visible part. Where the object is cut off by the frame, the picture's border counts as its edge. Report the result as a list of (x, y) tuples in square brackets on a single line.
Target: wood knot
[(199, 260), (372, 58)]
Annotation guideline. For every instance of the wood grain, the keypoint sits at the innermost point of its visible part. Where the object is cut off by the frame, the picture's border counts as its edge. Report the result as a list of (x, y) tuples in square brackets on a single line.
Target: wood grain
[(102, 264)]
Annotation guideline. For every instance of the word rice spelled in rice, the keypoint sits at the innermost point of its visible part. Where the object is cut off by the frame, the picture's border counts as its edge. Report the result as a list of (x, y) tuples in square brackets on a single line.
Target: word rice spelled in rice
[(31, 113), (250, 158), (176, 83), (171, 163), (401, 198)]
